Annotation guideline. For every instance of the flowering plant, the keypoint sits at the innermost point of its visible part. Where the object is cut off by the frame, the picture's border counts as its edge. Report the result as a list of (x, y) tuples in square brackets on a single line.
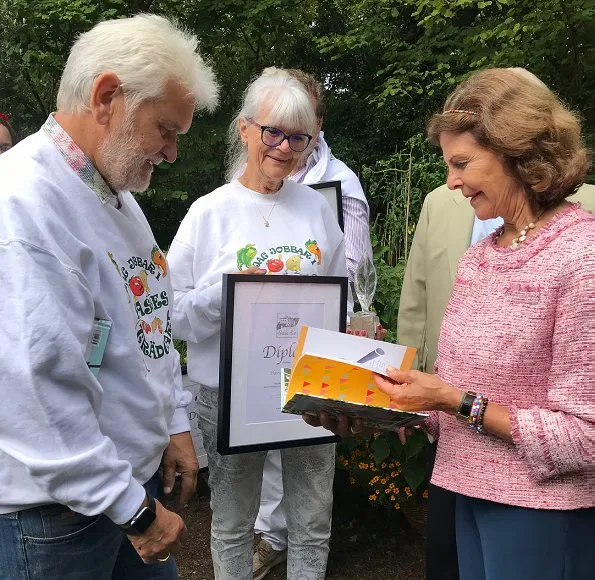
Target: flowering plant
[(393, 474)]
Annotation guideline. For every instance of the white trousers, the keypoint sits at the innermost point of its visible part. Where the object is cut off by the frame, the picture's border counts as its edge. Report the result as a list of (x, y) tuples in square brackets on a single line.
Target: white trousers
[(271, 521)]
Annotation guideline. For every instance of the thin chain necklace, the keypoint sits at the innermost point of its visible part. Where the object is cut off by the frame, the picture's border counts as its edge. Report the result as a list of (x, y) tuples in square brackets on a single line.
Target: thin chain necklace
[(266, 220)]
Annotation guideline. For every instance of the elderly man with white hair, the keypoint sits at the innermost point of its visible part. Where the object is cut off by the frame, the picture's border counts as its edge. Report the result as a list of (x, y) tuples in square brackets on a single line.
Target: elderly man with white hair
[(92, 401)]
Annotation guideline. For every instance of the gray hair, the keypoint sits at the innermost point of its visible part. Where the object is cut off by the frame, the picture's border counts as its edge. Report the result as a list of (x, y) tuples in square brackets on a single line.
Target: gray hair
[(145, 52), (290, 107)]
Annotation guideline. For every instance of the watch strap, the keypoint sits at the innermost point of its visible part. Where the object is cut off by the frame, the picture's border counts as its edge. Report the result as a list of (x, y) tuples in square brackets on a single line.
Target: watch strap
[(133, 527), (465, 406)]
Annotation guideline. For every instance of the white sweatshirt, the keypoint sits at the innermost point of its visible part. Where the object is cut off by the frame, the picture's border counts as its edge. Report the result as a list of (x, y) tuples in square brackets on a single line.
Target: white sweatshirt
[(322, 165), (225, 231), (69, 256)]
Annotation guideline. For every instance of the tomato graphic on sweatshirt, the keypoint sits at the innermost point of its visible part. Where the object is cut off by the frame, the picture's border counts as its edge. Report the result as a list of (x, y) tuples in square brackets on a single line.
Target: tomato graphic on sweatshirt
[(275, 265), (312, 247)]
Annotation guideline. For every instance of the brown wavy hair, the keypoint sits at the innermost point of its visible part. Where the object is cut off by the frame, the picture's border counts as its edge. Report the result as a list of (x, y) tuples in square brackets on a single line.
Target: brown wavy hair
[(520, 119), (313, 87)]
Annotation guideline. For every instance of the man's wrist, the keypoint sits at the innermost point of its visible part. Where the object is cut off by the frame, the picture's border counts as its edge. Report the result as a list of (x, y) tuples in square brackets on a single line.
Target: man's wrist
[(142, 519)]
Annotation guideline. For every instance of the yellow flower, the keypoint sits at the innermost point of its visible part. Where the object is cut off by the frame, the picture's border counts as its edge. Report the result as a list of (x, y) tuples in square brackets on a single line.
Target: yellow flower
[(397, 506), (391, 464), (352, 480), (383, 466), (387, 491), (396, 490), (392, 498), (377, 491), (372, 497), (383, 481), (393, 474), (425, 494)]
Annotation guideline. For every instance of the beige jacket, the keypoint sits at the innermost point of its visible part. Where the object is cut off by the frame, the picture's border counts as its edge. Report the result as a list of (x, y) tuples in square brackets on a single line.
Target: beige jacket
[(442, 236)]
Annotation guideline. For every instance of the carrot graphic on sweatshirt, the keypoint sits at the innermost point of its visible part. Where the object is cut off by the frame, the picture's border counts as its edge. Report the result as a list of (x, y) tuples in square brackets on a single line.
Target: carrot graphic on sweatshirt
[(159, 260), (312, 247)]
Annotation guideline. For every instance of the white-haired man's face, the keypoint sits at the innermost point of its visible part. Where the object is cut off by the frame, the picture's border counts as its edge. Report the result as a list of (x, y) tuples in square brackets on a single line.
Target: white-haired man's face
[(142, 137)]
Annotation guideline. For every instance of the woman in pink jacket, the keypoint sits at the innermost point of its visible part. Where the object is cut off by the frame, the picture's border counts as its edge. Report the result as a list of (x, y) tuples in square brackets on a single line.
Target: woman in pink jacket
[(512, 400)]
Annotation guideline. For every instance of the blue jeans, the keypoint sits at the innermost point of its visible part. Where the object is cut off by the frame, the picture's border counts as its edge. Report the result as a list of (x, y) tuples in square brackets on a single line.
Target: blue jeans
[(52, 542), (503, 542)]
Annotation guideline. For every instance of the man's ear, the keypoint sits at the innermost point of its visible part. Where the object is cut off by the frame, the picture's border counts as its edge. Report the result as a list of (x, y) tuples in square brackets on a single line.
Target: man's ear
[(104, 94)]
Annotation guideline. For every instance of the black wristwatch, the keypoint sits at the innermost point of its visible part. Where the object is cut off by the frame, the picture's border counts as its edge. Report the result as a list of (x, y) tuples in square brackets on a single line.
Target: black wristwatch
[(464, 410), (142, 519)]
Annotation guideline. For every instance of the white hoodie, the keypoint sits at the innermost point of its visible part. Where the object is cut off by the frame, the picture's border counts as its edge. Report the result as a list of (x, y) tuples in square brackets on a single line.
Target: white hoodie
[(69, 256)]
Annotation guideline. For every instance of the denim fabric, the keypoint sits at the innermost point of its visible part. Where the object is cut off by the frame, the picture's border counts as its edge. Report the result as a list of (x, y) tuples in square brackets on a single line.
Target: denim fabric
[(54, 543), (503, 542), (235, 482)]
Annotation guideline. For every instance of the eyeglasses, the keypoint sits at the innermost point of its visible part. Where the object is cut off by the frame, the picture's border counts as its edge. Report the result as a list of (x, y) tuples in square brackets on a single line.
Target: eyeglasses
[(273, 137)]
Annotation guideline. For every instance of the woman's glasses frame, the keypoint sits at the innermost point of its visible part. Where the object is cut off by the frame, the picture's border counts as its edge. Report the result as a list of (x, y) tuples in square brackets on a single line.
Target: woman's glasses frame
[(276, 137)]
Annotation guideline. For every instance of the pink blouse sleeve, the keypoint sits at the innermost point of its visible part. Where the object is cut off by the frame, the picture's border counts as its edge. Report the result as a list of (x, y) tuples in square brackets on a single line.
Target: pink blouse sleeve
[(557, 436)]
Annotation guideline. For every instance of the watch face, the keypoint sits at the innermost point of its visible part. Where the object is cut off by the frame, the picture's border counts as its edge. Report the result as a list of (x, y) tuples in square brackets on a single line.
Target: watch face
[(144, 519)]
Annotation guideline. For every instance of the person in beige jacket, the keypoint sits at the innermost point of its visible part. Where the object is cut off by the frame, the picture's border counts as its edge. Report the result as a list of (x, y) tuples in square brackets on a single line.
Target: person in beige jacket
[(446, 227)]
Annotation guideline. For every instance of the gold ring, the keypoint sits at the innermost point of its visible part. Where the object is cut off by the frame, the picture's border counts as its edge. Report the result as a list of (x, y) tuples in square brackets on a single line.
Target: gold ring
[(164, 559)]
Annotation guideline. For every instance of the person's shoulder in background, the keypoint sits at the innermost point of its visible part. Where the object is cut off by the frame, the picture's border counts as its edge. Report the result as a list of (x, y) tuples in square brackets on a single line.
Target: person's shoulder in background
[(585, 196)]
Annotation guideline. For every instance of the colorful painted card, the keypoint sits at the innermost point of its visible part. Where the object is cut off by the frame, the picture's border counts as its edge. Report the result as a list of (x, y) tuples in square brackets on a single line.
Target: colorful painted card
[(333, 372)]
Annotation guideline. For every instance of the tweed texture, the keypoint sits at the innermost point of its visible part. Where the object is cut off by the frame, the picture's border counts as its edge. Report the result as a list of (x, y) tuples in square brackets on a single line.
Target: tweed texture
[(520, 328)]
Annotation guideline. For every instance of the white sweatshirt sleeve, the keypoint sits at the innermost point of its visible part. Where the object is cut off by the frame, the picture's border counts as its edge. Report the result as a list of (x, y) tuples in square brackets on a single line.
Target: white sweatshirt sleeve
[(50, 399), (197, 306), (180, 422)]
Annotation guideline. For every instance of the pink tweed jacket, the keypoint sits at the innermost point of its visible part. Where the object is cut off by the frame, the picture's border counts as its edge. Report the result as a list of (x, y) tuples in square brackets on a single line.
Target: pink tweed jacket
[(520, 328)]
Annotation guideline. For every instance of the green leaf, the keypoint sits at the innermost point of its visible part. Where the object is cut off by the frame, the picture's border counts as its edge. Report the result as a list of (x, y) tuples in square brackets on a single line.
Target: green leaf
[(381, 449), (415, 472)]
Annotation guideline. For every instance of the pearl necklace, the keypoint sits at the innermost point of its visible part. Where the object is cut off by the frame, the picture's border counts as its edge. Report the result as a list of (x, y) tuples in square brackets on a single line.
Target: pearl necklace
[(523, 233)]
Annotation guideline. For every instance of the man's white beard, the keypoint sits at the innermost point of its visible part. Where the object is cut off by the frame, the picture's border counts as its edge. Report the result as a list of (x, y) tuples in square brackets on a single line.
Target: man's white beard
[(124, 162)]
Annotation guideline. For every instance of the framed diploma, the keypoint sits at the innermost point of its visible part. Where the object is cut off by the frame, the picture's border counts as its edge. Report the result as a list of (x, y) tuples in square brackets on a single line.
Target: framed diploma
[(332, 192), (261, 321)]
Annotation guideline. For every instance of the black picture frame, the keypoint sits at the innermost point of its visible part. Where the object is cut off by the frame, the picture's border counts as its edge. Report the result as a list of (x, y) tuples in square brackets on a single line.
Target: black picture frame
[(236, 433), (334, 195)]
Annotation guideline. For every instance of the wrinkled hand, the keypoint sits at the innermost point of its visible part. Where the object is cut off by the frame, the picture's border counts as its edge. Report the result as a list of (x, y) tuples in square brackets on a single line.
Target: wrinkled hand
[(342, 425), (417, 391), (252, 270), (180, 456), (161, 538)]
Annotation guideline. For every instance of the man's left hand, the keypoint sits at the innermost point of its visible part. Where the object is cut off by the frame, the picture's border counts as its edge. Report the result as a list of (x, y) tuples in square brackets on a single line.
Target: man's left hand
[(180, 457)]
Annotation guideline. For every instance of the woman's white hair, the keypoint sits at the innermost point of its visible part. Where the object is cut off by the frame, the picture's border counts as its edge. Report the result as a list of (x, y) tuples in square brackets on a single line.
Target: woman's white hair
[(286, 104), (145, 52)]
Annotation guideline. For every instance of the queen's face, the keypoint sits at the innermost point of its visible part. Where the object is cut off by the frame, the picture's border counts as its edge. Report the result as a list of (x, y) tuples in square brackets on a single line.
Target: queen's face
[(268, 164), (480, 174), (5, 139)]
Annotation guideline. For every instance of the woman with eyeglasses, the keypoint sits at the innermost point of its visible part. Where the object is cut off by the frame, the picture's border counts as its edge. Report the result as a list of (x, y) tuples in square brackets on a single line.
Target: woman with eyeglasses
[(7, 136), (258, 223)]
